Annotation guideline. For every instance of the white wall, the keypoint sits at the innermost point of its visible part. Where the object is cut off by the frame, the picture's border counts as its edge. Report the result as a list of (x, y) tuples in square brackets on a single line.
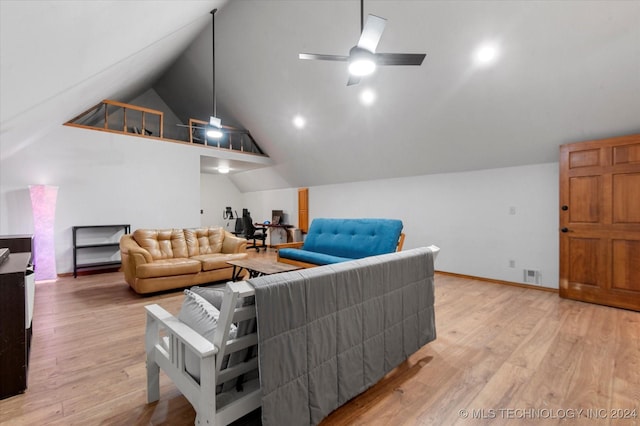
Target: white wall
[(216, 193), (103, 178), (466, 214), (150, 99), (261, 203)]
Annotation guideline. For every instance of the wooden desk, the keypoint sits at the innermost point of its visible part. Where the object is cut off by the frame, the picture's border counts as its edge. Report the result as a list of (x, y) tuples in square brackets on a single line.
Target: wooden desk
[(277, 234)]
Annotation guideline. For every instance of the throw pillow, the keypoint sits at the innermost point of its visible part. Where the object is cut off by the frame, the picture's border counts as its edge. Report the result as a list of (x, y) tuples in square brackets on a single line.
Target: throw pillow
[(211, 295), (202, 317)]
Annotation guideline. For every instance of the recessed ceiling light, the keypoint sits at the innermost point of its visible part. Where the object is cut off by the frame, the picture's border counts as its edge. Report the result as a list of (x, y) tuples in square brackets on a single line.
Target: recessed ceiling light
[(224, 170), (299, 121), (486, 54), (367, 97)]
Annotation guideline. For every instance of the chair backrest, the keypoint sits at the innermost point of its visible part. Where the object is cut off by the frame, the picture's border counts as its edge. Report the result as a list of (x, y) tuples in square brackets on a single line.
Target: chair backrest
[(239, 228), (249, 229), (229, 366)]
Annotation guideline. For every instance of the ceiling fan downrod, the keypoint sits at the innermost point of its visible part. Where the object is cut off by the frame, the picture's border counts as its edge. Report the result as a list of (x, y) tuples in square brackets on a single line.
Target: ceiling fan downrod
[(215, 123)]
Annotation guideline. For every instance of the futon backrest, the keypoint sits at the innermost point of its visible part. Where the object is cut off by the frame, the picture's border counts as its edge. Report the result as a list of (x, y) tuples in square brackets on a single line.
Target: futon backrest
[(353, 238)]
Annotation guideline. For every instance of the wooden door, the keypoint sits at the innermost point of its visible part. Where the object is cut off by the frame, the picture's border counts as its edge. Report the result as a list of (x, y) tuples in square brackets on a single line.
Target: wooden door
[(600, 221), (303, 209)]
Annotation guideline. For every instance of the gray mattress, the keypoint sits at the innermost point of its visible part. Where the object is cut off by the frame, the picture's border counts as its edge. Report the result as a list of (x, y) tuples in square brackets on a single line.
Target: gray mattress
[(326, 334)]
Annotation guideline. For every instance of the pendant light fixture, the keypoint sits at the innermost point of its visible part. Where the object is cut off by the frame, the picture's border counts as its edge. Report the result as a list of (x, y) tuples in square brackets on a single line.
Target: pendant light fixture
[(214, 129)]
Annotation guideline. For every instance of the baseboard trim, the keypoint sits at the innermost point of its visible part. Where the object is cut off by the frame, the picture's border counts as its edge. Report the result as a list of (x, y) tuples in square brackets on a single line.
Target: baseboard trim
[(491, 280), (90, 272)]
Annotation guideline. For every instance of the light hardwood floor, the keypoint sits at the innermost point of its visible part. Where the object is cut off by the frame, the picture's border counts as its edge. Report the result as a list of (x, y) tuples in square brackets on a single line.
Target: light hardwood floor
[(506, 355)]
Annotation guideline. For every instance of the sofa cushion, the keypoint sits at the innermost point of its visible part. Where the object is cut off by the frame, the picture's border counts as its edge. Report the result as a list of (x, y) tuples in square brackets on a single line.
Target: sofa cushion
[(306, 256), (353, 238), (162, 243), (168, 267), (217, 260), (204, 240)]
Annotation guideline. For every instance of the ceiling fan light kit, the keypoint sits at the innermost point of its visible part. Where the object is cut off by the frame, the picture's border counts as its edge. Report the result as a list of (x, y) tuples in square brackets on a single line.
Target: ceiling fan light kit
[(215, 128), (214, 133), (363, 58), (361, 62)]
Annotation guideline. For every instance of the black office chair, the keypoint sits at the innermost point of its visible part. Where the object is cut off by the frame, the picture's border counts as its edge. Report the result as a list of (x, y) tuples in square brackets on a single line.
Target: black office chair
[(253, 233)]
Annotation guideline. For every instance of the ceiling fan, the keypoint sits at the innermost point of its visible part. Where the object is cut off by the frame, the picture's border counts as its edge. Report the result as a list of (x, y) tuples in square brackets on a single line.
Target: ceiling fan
[(362, 57)]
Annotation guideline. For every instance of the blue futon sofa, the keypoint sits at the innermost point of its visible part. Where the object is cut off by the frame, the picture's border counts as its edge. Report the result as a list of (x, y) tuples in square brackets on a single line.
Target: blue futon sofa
[(339, 240)]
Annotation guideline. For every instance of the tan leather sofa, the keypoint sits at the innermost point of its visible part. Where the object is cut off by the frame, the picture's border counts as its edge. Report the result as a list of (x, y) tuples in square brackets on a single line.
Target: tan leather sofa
[(161, 259)]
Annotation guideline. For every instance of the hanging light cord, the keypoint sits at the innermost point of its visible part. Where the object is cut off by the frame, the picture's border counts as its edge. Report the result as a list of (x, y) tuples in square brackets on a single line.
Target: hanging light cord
[(213, 56)]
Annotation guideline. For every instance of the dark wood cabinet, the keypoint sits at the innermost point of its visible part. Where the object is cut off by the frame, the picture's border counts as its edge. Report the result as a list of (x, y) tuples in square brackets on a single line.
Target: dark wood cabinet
[(15, 331), (22, 243)]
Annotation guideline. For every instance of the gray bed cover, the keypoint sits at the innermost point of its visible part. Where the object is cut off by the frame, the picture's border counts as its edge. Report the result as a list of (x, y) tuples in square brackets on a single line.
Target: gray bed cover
[(326, 334)]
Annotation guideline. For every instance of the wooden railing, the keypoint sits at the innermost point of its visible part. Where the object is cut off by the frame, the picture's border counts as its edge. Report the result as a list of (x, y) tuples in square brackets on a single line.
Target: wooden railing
[(234, 139), (122, 119), (119, 117)]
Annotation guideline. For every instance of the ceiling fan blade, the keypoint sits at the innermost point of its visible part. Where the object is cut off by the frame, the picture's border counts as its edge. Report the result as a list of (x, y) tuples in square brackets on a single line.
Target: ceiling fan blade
[(353, 80), (371, 33), (400, 58), (224, 129), (314, 57), (193, 127)]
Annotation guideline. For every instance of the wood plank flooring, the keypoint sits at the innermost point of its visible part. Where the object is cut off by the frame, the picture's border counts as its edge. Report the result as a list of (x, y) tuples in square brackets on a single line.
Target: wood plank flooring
[(504, 355)]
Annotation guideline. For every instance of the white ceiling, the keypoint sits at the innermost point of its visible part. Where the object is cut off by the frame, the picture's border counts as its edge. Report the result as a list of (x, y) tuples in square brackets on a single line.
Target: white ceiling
[(567, 71)]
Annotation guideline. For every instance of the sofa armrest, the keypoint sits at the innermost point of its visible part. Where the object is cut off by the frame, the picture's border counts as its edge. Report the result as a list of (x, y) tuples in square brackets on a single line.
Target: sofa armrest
[(233, 244), (400, 242), (129, 246), (296, 244), (132, 255)]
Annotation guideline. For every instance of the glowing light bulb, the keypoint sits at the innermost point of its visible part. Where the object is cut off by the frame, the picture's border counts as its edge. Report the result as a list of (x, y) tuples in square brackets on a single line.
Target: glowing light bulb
[(362, 66), (299, 121), (367, 97), (486, 54)]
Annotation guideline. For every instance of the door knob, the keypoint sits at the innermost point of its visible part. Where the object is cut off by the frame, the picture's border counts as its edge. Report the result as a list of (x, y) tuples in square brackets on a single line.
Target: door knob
[(565, 229), (565, 207)]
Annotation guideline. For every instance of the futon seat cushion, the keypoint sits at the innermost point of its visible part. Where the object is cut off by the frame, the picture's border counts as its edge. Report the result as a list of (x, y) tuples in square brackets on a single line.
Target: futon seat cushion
[(310, 256), (217, 261), (168, 267)]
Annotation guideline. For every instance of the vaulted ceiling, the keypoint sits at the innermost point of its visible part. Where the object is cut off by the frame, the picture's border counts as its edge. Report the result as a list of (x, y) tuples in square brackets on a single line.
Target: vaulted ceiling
[(565, 71)]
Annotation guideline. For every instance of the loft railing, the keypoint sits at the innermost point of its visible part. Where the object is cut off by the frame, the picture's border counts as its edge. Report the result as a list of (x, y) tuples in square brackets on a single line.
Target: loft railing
[(118, 117), (232, 138)]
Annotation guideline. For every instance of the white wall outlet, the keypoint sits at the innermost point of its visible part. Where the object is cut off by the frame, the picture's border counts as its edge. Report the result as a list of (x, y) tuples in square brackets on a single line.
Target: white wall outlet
[(532, 276), (512, 210), (512, 263)]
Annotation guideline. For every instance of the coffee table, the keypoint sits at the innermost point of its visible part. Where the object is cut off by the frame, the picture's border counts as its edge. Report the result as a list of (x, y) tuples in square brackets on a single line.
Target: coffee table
[(259, 267)]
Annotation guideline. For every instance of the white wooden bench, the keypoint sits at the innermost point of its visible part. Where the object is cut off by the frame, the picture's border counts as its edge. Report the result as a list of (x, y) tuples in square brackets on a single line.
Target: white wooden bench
[(167, 339)]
